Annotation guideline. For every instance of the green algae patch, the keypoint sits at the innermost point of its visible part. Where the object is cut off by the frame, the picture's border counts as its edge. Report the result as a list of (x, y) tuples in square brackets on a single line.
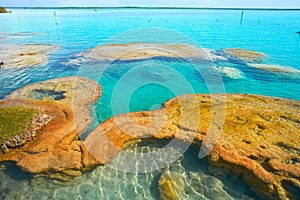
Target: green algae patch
[(14, 122)]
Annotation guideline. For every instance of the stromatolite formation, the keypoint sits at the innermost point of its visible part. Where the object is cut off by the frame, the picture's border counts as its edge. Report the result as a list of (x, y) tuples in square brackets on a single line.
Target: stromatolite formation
[(244, 54), (259, 141), (27, 55), (139, 51), (275, 68), (57, 148)]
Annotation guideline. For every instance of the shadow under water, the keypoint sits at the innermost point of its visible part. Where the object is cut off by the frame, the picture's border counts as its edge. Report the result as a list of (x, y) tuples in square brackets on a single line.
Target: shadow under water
[(51, 94)]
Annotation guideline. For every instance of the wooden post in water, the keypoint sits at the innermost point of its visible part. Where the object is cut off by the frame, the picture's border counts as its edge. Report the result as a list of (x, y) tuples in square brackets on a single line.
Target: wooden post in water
[(242, 16), (55, 18)]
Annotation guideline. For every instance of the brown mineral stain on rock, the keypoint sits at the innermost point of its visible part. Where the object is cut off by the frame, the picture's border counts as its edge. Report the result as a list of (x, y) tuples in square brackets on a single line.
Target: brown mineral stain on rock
[(249, 143), (29, 54)]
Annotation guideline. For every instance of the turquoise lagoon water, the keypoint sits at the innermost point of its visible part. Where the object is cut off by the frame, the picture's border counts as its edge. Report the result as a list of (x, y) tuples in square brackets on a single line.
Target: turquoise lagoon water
[(158, 79)]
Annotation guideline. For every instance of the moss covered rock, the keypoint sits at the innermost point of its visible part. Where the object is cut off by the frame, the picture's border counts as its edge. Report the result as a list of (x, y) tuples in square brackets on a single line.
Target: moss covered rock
[(19, 125)]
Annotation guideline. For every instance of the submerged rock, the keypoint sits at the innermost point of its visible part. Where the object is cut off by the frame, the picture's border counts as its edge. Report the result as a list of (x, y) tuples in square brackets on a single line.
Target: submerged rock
[(230, 72), (244, 54), (28, 55), (16, 35), (138, 51), (171, 186), (274, 68)]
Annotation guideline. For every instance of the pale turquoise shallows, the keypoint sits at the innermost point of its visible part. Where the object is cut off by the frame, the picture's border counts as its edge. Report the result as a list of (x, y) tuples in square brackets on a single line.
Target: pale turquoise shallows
[(77, 30)]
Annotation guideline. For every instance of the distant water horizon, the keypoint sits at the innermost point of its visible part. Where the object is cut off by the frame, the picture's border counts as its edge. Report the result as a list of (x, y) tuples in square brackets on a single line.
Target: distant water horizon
[(149, 7)]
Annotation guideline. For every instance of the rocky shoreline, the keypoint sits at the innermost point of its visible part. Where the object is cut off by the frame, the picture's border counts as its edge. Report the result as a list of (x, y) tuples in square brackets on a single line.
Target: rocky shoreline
[(3, 10), (258, 141)]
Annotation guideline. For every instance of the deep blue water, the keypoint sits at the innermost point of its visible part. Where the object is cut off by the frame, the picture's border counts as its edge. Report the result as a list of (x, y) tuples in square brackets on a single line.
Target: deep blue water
[(146, 84)]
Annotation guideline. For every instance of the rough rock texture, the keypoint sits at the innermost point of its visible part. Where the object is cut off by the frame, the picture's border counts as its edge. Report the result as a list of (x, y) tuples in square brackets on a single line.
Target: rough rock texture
[(259, 141), (229, 72), (25, 55), (244, 54), (137, 51), (73, 92), (171, 186), (56, 149)]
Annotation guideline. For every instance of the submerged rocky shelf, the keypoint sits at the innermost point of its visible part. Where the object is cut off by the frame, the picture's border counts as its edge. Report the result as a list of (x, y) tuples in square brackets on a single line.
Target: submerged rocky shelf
[(259, 141), (138, 51), (244, 54), (190, 53), (30, 55), (27, 55)]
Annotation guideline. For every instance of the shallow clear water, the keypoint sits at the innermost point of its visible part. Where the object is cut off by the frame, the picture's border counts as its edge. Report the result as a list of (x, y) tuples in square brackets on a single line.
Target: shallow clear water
[(106, 183), (159, 79)]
